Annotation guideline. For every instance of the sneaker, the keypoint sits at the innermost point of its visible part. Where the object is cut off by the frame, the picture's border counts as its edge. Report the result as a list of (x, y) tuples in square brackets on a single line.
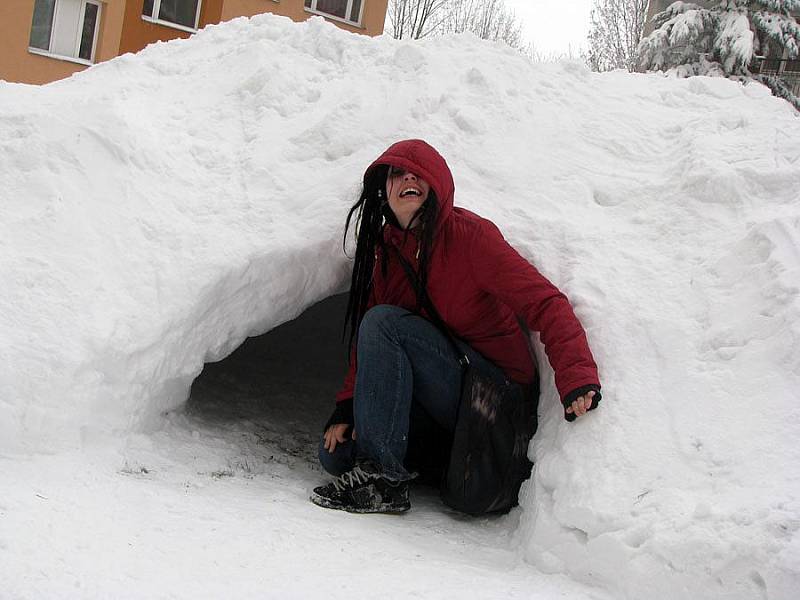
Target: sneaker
[(363, 490)]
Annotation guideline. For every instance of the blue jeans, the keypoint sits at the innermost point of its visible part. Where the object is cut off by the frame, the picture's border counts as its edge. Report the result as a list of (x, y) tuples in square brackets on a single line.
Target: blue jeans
[(408, 379)]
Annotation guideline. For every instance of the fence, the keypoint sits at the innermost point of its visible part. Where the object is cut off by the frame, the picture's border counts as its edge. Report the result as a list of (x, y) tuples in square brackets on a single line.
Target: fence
[(788, 70)]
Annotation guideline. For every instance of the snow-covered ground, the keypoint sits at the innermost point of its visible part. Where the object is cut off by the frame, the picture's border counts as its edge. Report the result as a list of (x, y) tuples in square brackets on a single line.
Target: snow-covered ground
[(215, 504), (158, 209)]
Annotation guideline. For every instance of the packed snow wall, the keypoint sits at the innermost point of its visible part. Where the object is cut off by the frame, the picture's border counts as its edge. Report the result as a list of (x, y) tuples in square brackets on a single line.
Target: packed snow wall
[(159, 208)]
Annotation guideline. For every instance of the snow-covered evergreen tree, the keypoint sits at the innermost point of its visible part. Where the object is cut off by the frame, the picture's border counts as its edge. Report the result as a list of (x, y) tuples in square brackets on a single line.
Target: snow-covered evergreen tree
[(724, 37)]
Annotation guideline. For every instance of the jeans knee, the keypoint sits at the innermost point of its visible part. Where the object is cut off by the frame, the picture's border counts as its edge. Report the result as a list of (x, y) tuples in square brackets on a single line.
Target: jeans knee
[(378, 317), (327, 460), (338, 462)]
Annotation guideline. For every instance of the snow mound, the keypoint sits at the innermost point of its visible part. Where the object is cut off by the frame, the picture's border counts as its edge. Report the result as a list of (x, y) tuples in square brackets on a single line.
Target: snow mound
[(159, 208)]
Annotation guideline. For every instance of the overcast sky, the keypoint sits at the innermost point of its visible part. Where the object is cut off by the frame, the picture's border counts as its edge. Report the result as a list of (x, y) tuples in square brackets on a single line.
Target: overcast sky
[(554, 25)]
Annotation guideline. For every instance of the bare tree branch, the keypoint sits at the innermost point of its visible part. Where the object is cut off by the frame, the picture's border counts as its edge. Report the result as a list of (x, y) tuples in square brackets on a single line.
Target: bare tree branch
[(487, 19), (616, 28)]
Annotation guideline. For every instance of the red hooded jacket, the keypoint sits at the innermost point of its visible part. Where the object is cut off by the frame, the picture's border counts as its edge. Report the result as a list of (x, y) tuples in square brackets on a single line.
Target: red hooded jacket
[(479, 285)]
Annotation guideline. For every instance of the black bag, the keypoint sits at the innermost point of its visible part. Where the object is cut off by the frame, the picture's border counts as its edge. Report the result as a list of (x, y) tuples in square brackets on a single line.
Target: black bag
[(488, 460), (496, 421)]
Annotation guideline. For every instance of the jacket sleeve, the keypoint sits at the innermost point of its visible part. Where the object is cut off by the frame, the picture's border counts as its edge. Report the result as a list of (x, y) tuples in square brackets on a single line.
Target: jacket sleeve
[(346, 391), (498, 269)]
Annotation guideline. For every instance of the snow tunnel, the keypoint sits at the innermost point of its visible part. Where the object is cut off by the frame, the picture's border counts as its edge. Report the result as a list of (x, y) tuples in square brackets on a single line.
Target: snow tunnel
[(277, 388), (161, 207)]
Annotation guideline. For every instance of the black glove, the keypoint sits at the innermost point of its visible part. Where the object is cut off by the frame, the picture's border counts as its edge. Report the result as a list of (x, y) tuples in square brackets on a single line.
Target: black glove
[(343, 413), (575, 394)]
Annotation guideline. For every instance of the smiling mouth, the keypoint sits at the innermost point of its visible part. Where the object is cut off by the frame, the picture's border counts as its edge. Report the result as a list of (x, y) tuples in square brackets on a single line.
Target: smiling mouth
[(410, 192)]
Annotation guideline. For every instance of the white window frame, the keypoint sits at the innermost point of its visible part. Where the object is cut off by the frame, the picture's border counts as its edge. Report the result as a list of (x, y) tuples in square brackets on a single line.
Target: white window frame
[(76, 59), (153, 18), (313, 10)]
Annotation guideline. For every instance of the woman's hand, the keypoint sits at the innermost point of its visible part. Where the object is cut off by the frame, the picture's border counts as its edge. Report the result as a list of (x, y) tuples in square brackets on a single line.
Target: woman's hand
[(581, 405), (336, 434)]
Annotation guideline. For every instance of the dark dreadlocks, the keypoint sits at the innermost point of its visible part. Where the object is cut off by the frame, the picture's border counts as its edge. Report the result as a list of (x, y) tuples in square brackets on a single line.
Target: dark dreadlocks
[(372, 211)]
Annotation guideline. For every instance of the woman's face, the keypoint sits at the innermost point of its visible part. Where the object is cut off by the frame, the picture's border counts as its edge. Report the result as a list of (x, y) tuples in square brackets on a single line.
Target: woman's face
[(406, 193)]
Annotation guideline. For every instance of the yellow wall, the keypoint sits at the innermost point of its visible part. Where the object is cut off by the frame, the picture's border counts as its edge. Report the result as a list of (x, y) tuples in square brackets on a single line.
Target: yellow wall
[(123, 30), (373, 15), (20, 66), (138, 33)]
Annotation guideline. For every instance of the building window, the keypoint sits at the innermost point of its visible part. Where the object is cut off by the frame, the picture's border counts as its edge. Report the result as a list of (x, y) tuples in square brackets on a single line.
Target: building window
[(346, 10), (183, 14), (65, 28)]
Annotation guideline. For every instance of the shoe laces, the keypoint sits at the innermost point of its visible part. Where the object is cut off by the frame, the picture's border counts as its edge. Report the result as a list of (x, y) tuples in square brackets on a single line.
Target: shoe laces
[(352, 478)]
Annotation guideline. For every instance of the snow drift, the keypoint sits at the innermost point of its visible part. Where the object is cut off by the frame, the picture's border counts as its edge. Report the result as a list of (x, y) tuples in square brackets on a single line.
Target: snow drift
[(159, 208)]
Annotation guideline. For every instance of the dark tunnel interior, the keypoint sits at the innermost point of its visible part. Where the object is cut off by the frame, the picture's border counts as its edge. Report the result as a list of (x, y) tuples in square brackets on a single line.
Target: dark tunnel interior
[(280, 386)]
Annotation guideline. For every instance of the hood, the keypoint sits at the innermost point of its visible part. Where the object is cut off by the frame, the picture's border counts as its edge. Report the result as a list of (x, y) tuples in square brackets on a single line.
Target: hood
[(423, 160)]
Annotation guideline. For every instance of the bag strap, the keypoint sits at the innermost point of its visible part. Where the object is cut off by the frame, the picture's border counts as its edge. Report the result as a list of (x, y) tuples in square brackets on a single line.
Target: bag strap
[(427, 304)]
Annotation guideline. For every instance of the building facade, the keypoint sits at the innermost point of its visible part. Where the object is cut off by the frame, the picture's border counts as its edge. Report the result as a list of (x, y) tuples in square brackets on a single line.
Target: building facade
[(45, 40)]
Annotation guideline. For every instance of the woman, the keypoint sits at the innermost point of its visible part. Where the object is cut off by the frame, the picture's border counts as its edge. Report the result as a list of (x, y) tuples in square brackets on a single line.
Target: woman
[(402, 390)]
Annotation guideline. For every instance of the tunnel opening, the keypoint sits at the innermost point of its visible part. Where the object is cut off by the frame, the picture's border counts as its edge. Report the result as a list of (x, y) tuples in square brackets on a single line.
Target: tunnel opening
[(259, 414), (274, 393)]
